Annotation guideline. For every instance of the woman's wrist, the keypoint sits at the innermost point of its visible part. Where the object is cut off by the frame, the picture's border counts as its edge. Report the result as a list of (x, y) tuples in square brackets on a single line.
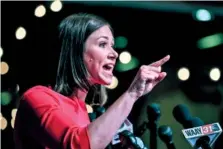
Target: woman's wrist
[(132, 96)]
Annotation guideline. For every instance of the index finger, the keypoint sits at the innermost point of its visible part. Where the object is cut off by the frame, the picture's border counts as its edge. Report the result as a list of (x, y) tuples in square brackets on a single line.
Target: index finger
[(161, 62)]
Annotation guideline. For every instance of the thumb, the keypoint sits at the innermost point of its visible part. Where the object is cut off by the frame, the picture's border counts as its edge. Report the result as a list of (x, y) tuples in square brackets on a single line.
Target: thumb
[(162, 75)]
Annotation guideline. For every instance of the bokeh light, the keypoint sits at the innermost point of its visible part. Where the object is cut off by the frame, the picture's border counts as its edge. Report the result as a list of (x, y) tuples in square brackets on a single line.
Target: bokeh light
[(125, 57), (121, 67), (1, 52), (20, 33), (12, 122), (114, 83), (56, 6), (6, 98), (4, 68), (210, 41), (183, 74), (4, 123), (17, 88), (13, 113), (203, 15), (40, 11), (121, 42), (215, 74), (89, 108)]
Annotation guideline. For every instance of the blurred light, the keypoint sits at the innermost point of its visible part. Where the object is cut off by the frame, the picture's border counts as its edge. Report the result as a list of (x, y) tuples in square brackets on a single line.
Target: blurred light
[(6, 98), (215, 74), (121, 42), (12, 122), (13, 113), (114, 83), (125, 57), (4, 68), (89, 108), (56, 6), (203, 15), (20, 33), (40, 11), (210, 41), (3, 123), (17, 88), (1, 52), (0, 115), (183, 74), (129, 66)]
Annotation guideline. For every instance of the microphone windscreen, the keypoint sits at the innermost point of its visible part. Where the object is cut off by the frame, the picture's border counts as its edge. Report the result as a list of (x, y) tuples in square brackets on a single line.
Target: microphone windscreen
[(153, 112), (181, 114), (132, 140), (196, 122), (165, 133), (100, 110), (127, 138), (125, 129), (92, 116)]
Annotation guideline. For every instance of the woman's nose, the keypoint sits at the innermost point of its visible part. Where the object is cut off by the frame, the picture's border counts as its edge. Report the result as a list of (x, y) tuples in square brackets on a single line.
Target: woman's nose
[(113, 55)]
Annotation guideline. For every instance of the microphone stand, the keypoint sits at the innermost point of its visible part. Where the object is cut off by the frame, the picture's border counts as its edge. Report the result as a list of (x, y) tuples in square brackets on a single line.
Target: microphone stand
[(153, 134), (203, 142), (166, 135), (153, 113), (141, 129), (170, 146)]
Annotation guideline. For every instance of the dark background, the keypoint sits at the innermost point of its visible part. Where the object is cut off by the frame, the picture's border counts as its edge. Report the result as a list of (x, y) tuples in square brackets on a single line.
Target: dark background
[(151, 35)]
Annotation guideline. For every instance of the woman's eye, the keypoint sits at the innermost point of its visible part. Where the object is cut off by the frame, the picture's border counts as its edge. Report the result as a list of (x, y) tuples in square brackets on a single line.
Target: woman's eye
[(102, 45)]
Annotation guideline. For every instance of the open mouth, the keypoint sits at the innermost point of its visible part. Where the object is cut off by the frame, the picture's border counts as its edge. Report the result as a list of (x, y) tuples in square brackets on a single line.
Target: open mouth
[(108, 67)]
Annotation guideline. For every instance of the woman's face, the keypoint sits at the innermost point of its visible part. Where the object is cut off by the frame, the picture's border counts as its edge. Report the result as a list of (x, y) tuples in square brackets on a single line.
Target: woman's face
[(99, 56)]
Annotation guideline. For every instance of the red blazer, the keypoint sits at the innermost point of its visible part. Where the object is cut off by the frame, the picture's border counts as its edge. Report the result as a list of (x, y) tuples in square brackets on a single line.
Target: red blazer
[(48, 120)]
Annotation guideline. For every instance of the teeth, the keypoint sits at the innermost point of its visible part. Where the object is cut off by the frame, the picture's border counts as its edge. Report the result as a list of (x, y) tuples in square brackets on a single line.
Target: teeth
[(110, 65)]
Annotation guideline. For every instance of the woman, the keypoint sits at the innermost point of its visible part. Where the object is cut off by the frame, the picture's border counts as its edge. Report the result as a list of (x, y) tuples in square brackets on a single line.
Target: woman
[(58, 118)]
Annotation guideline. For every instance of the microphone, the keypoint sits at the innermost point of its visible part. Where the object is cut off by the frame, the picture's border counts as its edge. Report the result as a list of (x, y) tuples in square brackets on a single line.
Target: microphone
[(92, 116), (203, 142), (195, 122), (202, 136), (182, 115), (99, 110), (141, 129), (91, 113), (127, 125), (128, 140), (95, 111), (153, 114), (166, 135)]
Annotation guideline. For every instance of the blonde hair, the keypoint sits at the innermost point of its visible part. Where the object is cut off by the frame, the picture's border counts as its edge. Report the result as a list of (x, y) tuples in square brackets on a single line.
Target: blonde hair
[(97, 95)]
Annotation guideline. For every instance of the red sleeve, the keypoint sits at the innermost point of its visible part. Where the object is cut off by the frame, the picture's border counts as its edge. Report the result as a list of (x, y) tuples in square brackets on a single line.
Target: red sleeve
[(50, 126)]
